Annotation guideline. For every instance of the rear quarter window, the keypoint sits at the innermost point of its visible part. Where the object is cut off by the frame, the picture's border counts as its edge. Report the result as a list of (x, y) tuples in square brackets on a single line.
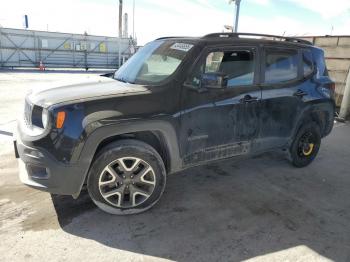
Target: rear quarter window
[(318, 56), (308, 66)]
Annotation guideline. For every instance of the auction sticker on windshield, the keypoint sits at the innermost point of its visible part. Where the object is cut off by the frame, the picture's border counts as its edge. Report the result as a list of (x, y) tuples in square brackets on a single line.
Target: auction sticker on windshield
[(181, 46)]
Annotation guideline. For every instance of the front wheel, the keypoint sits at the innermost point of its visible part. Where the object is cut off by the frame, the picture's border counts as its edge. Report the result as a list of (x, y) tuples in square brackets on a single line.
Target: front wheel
[(126, 177), (306, 144)]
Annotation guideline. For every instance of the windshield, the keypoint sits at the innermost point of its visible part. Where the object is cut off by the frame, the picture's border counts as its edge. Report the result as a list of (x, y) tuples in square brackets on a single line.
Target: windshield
[(153, 63)]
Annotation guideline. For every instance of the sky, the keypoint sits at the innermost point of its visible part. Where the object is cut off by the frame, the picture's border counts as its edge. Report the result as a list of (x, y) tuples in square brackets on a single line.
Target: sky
[(157, 18)]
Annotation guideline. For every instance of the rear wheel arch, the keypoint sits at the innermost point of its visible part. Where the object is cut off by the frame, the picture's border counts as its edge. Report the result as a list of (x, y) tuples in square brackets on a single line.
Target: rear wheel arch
[(320, 118), (321, 114)]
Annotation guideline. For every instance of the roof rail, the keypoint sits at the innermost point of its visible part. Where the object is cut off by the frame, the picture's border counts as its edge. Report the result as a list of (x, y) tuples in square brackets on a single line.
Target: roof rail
[(169, 37), (282, 38)]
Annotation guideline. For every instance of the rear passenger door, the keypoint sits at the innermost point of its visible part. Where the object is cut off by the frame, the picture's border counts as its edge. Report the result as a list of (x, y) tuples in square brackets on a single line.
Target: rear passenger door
[(283, 95)]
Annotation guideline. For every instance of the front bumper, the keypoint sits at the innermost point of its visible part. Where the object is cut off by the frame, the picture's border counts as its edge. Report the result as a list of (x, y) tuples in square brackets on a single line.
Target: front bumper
[(39, 169)]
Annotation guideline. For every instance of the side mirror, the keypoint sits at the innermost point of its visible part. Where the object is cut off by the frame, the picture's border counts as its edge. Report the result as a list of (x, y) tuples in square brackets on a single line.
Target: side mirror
[(214, 80)]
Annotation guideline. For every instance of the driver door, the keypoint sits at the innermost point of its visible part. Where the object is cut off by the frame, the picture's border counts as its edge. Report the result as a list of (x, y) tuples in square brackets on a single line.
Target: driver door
[(221, 123)]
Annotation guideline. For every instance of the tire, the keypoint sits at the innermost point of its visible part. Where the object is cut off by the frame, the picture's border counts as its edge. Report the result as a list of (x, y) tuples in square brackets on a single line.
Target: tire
[(126, 177), (305, 145)]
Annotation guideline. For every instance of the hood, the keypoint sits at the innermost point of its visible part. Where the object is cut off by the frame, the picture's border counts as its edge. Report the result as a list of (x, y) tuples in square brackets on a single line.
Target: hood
[(84, 89)]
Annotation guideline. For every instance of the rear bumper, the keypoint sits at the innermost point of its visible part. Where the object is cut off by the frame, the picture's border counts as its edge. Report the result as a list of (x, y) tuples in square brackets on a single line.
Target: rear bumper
[(38, 169)]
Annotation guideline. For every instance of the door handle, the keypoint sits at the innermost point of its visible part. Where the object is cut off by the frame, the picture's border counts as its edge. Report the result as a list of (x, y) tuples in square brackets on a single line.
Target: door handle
[(300, 93), (248, 99)]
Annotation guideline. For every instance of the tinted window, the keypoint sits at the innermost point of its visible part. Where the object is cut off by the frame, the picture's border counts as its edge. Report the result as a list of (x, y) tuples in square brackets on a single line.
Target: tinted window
[(281, 66), (307, 62), (238, 66)]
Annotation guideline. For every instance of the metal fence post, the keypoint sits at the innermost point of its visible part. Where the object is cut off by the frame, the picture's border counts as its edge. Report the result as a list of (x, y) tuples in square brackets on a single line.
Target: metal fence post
[(73, 46), (107, 46), (119, 52), (1, 60)]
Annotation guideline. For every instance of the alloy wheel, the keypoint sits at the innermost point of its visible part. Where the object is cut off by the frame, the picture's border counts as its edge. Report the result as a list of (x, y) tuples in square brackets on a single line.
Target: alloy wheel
[(127, 182)]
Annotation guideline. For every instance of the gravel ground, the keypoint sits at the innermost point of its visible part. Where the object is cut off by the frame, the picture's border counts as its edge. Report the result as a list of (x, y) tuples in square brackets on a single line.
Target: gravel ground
[(259, 209)]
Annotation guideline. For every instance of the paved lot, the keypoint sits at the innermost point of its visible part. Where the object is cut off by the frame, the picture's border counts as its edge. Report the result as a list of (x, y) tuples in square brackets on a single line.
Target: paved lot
[(260, 209)]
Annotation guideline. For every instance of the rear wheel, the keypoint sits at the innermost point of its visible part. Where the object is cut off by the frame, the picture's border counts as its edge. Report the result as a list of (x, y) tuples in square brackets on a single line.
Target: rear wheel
[(306, 145), (127, 177)]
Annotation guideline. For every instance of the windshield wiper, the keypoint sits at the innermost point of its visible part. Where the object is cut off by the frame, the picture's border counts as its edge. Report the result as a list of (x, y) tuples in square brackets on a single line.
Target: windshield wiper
[(123, 80), (120, 80)]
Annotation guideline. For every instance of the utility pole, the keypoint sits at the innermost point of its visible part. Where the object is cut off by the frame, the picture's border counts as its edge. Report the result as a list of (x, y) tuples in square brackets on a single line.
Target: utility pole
[(120, 18), (345, 104), (236, 17), (120, 31), (133, 19)]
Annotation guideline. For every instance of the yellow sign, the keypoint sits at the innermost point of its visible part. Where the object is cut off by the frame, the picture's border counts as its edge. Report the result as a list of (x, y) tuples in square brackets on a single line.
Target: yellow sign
[(67, 45), (103, 47)]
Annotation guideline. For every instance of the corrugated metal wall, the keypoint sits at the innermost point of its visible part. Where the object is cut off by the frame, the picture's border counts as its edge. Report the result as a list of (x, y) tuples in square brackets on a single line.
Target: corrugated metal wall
[(26, 48), (337, 52)]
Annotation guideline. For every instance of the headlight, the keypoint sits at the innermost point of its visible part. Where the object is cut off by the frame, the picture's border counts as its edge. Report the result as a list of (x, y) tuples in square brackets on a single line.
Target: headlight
[(44, 118), (36, 119)]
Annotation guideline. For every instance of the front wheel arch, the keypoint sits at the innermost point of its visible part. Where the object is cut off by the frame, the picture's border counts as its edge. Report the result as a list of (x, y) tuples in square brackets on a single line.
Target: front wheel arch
[(92, 143), (153, 138), (127, 148)]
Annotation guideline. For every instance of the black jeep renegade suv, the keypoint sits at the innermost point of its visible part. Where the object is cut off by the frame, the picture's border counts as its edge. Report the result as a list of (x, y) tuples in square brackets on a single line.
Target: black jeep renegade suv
[(177, 103)]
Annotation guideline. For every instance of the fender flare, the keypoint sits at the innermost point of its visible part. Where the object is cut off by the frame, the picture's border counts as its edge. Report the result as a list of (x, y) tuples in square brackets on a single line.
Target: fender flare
[(94, 139), (322, 106)]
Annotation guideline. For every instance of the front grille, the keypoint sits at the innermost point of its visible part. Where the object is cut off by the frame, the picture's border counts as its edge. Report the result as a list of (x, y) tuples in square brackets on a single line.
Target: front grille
[(28, 108)]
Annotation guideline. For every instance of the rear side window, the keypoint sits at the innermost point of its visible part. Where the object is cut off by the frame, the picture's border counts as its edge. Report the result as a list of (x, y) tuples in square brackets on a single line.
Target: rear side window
[(308, 67), (281, 66)]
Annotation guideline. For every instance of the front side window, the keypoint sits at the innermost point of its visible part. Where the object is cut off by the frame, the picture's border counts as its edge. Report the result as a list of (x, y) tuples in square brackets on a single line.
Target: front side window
[(281, 66), (237, 66), (153, 63)]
